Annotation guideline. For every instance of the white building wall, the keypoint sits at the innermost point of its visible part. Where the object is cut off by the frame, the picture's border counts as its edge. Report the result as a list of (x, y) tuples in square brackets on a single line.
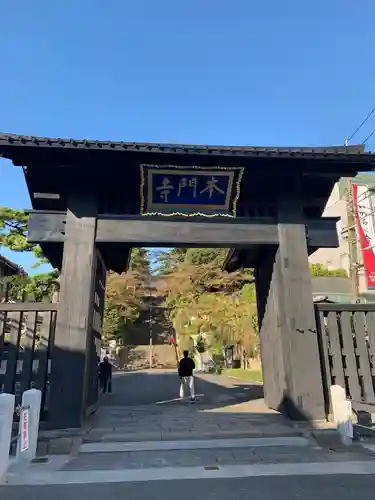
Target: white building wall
[(338, 258), (334, 258)]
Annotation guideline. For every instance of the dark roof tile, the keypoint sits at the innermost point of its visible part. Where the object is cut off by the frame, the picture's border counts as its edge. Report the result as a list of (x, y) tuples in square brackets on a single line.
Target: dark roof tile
[(354, 153), (11, 265)]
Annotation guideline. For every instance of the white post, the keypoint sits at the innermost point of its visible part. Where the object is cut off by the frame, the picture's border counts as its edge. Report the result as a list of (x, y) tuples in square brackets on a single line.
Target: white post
[(200, 362), (6, 421), (29, 424), (342, 413)]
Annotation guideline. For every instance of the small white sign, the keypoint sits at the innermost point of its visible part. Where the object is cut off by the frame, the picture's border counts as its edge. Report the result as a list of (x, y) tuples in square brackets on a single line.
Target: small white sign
[(24, 430)]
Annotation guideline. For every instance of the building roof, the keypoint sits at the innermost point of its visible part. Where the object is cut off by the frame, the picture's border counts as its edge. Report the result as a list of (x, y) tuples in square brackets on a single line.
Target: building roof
[(11, 266), (110, 171), (355, 152)]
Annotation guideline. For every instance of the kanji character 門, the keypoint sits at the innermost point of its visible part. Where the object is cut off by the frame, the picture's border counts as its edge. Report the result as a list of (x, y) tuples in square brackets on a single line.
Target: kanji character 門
[(188, 183)]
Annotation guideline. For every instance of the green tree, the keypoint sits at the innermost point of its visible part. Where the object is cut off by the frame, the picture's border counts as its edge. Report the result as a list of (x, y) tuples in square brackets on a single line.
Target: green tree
[(125, 296), (197, 256), (204, 302), (169, 259), (319, 271), (13, 235), (32, 288)]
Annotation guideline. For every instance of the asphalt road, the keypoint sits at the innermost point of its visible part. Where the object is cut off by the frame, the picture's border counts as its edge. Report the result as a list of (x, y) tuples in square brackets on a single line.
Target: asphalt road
[(150, 387), (262, 488), (142, 388)]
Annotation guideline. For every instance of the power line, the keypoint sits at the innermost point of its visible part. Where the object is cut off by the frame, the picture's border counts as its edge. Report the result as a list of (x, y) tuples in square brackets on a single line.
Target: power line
[(369, 137), (360, 126)]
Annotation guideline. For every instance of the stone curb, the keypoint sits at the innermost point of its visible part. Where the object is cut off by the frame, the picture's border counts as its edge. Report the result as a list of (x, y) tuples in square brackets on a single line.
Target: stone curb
[(184, 436), (65, 443), (254, 382)]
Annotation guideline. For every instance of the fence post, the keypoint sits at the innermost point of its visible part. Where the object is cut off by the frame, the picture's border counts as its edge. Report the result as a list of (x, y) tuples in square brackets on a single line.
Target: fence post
[(6, 421), (342, 413), (29, 424)]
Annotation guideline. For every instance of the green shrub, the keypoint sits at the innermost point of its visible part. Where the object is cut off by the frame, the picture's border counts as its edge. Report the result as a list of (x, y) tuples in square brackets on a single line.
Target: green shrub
[(219, 362), (201, 345)]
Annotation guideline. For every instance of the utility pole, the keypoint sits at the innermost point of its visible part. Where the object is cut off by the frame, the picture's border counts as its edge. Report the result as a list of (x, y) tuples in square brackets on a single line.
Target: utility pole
[(352, 241), (150, 336)]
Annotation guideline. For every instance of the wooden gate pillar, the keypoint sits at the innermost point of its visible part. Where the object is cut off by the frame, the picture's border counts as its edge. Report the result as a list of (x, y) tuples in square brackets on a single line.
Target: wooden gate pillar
[(289, 343), (70, 364), (298, 328), (266, 275)]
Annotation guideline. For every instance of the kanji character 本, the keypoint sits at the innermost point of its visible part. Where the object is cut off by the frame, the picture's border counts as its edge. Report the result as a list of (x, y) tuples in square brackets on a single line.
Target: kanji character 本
[(165, 188), (188, 183), (212, 186)]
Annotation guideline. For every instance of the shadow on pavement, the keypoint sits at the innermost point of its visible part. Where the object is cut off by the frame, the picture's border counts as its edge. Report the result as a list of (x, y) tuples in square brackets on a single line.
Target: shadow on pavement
[(162, 388), (146, 406)]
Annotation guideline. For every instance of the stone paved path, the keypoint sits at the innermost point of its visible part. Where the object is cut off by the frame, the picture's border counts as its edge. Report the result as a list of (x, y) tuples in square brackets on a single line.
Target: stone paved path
[(143, 432), (145, 406)]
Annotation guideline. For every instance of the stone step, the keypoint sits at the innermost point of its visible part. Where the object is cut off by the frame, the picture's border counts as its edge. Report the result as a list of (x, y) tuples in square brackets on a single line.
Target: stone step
[(202, 444), (111, 435)]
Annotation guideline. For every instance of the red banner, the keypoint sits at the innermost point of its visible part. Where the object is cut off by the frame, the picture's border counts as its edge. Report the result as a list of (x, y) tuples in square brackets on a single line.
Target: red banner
[(365, 224)]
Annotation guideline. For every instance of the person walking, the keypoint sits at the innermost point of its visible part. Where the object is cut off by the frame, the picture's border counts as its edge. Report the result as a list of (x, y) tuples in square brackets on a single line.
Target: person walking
[(185, 371), (105, 375)]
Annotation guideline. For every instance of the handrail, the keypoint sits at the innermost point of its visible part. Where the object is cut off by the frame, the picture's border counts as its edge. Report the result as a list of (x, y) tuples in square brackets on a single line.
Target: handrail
[(29, 307), (345, 307)]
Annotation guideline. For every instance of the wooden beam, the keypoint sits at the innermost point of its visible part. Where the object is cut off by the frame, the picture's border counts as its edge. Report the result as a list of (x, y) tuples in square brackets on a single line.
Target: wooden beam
[(322, 233), (47, 227), (176, 233)]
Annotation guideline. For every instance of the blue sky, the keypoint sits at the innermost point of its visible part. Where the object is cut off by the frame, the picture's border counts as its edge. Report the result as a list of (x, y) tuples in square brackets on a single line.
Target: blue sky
[(211, 72)]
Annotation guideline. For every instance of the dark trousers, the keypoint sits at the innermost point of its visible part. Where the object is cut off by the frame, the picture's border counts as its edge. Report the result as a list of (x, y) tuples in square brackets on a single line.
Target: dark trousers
[(106, 384)]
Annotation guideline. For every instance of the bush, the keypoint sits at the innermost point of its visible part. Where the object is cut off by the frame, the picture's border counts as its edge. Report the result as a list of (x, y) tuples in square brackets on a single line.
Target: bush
[(320, 271), (219, 362), (201, 345)]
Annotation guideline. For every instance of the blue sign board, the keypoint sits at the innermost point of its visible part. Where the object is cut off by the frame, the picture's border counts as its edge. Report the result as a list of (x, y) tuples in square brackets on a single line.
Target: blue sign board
[(171, 190)]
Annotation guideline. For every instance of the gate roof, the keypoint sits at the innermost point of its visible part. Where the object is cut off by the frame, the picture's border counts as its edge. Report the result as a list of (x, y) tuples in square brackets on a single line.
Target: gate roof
[(110, 170)]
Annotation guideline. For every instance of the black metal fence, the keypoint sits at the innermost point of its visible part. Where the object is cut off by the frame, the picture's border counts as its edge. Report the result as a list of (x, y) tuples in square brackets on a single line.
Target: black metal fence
[(26, 339), (346, 334)]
